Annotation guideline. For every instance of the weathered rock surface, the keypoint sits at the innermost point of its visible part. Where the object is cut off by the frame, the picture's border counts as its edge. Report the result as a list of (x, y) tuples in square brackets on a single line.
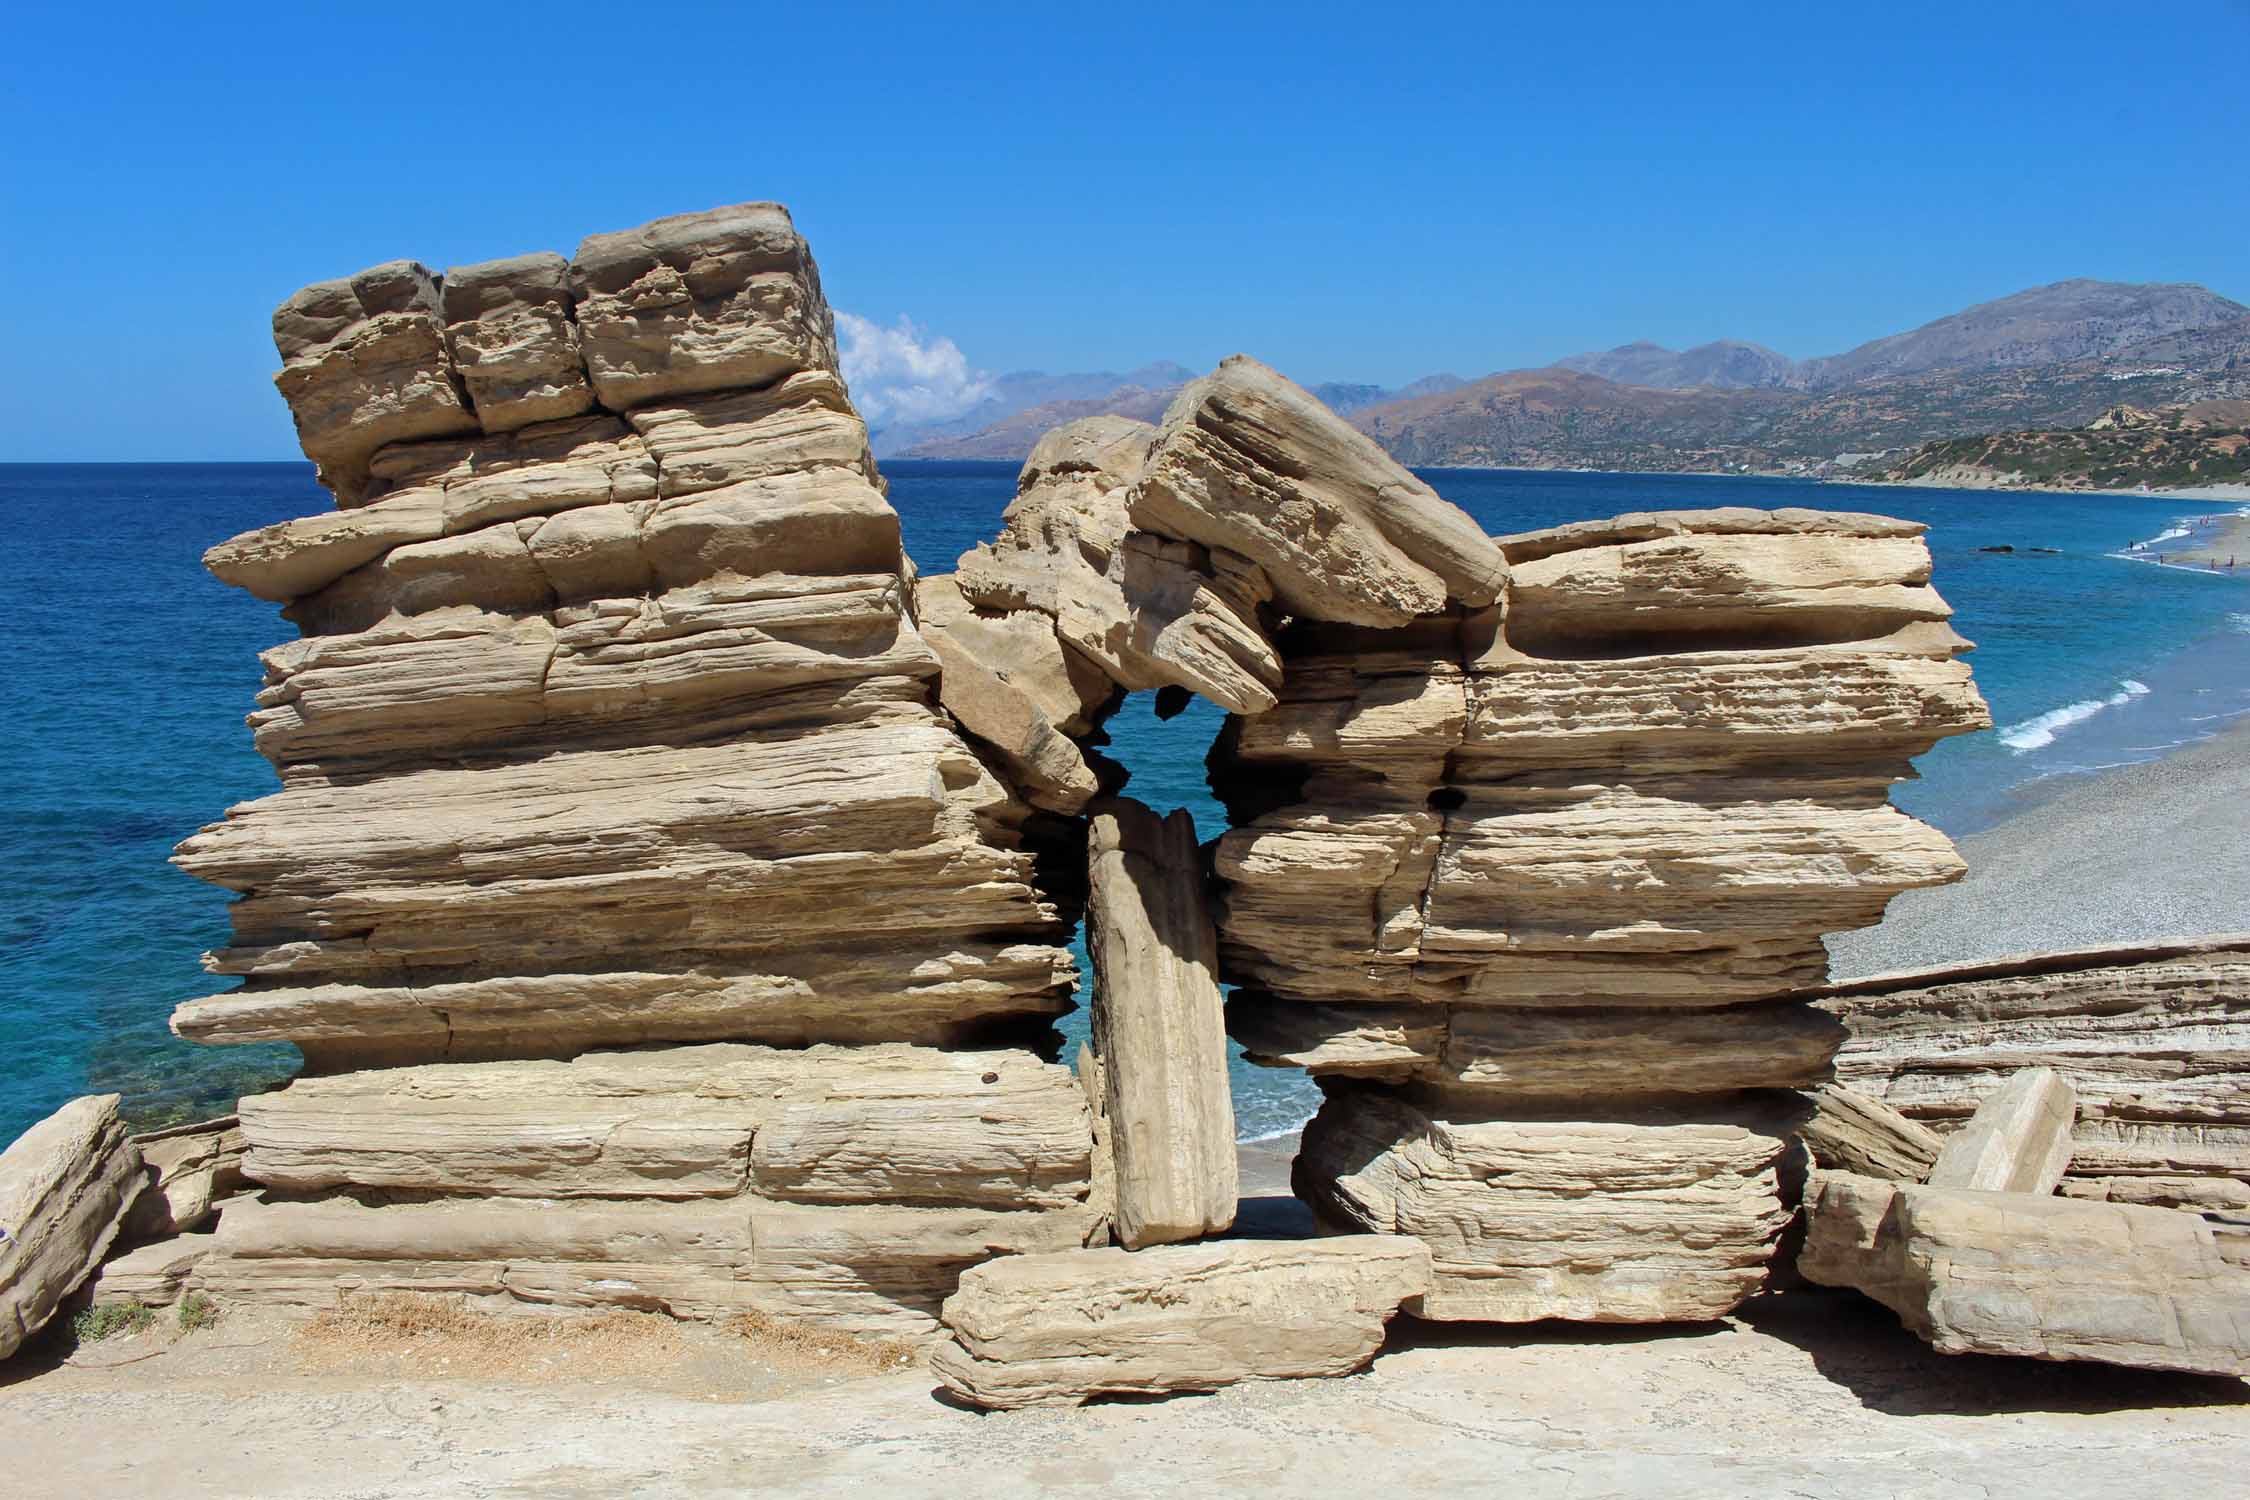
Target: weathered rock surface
[(152, 1275), (1653, 1216), (66, 1185), (2047, 1277), (1248, 462), (2154, 1039), (188, 1169), (2018, 1141), (1850, 1132), (1054, 1330), (1159, 1028), (1145, 611), (509, 329), (1546, 881), (1006, 681), (364, 364)]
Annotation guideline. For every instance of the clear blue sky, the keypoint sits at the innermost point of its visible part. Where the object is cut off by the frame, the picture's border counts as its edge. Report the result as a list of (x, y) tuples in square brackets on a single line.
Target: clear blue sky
[(1350, 192)]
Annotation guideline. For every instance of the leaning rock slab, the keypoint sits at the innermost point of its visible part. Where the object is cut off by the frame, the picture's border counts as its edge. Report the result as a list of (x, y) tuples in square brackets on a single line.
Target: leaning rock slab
[(65, 1186), (1852, 1133), (2051, 1278), (2018, 1141), (1054, 1330), (1159, 1027)]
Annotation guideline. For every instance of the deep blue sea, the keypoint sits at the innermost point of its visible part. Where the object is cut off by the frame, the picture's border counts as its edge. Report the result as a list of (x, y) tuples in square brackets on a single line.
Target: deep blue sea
[(131, 670)]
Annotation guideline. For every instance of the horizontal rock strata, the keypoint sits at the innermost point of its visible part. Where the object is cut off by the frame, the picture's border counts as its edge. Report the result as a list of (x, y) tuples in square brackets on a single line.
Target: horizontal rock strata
[(2044, 1277), (1054, 1330), (2153, 1038), (1548, 878), (66, 1186), (611, 725)]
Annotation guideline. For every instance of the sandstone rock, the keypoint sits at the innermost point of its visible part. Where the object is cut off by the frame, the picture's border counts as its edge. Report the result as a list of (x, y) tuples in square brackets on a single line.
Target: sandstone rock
[(2018, 1141), (1159, 1028), (2154, 1039), (721, 300), (828, 1124), (2047, 1277), (1654, 1216), (1054, 1330), (508, 327), (1251, 463), (65, 1187), (364, 364), (1853, 1133), (1145, 611), (151, 1275), (188, 1169), (1004, 679)]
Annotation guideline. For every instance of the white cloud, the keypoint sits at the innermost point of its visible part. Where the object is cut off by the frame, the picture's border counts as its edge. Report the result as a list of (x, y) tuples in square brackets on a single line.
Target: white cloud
[(901, 374)]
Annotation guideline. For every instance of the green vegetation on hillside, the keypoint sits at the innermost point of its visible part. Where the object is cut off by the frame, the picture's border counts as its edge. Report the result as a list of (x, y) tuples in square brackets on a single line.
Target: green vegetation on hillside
[(2204, 443)]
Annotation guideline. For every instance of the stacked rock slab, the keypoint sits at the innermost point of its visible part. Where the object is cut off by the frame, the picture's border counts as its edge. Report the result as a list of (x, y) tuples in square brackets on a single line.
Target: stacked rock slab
[(2040, 1276), (1054, 1330), (66, 1186), (2154, 1039), (1533, 889), (610, 727)]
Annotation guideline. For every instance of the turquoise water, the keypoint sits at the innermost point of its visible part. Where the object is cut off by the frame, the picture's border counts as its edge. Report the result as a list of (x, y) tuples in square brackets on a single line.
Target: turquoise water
[(130, 670)]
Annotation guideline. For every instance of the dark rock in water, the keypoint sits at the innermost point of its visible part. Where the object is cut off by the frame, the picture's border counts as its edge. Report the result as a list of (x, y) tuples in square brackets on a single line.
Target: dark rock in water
[(2049, 551), (1172, 700), (1996, 549)]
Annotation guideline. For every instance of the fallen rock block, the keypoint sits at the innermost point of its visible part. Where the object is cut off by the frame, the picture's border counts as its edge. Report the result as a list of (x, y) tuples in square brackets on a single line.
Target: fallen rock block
[(1159, 1027), (65, 1186), (1054, 1330), (1850, 1132), (188, 1168), (2041, 1276), (2018, 1141)]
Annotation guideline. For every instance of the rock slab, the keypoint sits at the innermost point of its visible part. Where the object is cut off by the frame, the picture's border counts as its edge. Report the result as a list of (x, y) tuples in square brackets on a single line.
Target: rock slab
[(1054, 1330), (65, 1187), (1159, 1027), (2018, 1141), (2047, 1277)]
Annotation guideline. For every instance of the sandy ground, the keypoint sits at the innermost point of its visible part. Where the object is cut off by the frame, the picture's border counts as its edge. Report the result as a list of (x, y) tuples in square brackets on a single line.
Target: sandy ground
[(2220, 542), (2147, 851), (1807, 1394)]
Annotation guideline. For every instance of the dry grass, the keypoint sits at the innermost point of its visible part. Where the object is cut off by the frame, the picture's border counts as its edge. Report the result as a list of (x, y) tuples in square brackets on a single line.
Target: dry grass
[(443, 1335), (805, 1345), (429, 1335)]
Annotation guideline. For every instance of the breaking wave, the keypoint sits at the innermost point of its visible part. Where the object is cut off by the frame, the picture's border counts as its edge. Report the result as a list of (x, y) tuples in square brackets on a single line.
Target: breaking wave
[(2031, 734)]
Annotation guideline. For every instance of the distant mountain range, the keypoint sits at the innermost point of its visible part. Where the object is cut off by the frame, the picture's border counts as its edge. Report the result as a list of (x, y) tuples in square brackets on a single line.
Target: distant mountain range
[(2052, 357)]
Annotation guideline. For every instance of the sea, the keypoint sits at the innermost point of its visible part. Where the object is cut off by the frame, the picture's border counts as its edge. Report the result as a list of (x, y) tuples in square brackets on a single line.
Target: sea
[(130, 670)]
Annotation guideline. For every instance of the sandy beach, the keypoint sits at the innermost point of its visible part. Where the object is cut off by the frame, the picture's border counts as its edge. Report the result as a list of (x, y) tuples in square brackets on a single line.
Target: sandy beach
[(2134, 852)]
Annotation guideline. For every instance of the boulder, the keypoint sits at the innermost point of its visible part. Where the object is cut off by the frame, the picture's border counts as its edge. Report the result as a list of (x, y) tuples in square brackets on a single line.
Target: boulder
[(1002, 679), (1850, 1132), (1977, 1272), (1056, 1330), (1248, 462), (66, 1185), (2018, 1141), (1159, 1027)]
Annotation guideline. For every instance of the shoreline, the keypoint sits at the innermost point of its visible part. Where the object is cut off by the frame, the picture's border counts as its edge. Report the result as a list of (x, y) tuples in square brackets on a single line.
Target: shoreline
[(2132, 853)]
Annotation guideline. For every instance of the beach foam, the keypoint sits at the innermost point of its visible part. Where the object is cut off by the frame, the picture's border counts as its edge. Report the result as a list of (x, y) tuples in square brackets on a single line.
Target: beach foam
[(2032, 734)]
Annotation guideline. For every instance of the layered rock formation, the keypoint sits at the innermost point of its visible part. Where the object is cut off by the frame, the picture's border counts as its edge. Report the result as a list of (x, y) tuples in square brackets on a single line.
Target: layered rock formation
[(1531, 888), (2154, 1039), (66, 1186), (1053, 1330), (2046, 1277), (610, 725)]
